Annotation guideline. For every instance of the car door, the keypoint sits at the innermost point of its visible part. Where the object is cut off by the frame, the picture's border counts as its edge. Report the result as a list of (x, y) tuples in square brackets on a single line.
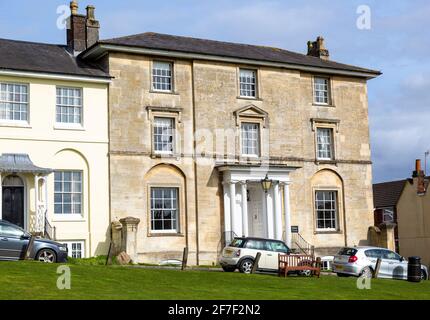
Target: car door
[(372, 257), (385, 270), (254, 246), (396, 268), (12, 245), (274, 248)]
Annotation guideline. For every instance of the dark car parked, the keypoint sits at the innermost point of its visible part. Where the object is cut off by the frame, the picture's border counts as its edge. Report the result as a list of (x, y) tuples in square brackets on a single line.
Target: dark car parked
[(14, 241)]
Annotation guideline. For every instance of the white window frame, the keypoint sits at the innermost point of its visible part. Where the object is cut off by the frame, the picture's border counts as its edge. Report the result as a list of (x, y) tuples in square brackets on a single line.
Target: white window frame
[(172, 135), (316, 87), (334, 201), (70, 243), (331, 143), (177, 210), (71, 215), (249, 85), (391, 213), (256, 139), (153, 76), (26, 103), (61, 124)]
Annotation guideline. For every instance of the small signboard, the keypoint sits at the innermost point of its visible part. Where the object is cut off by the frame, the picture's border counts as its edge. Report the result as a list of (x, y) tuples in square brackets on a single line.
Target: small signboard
[(294, 229)]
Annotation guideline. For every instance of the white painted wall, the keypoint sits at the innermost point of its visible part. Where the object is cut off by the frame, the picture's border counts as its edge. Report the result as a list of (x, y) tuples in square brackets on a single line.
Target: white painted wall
[(85, 149)]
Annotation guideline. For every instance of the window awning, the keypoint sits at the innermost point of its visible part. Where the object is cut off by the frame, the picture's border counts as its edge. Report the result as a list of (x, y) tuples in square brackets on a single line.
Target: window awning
[(20, 163)]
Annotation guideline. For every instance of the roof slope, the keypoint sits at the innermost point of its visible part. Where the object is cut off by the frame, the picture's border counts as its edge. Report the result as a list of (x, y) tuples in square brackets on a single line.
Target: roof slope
[(387, 194), (47, 58), (153, 40)]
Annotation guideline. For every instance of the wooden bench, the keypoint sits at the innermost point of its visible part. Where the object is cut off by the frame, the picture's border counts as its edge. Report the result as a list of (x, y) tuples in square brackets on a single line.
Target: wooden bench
[(297, 262)]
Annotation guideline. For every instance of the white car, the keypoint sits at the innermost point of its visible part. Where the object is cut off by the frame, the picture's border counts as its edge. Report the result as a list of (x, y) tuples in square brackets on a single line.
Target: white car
[(241, 252), (361, 261)]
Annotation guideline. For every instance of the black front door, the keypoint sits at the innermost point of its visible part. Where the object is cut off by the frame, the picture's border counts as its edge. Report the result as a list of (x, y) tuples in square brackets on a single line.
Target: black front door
[(13, 205)]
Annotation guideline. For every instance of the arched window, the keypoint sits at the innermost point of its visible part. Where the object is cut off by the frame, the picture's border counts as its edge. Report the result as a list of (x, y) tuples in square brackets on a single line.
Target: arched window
[(327, 188), (166, 199)]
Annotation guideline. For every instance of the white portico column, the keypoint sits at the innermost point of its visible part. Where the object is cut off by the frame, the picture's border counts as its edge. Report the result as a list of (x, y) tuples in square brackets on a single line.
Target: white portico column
[(269, 214), (278, 214), (287, 214), (227, 214), (244, 209), (235, 225), (38, 224)]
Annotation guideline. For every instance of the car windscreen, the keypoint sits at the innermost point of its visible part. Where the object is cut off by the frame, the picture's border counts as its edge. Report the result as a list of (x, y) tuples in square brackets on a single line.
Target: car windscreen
[(347, 252), (237, 243)]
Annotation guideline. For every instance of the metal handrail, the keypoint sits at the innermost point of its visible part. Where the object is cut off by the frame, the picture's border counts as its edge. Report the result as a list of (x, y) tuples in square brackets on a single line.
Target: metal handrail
[(300, 243), (49, 231)]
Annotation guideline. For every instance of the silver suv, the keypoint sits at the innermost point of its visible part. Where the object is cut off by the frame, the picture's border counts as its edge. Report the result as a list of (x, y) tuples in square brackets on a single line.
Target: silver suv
[(361, 261)]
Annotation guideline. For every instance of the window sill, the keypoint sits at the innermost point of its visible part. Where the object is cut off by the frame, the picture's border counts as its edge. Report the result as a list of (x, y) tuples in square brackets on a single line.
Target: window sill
[(161, 155), (164, 92), (68, 127), (68, 218), (328, 232), (249, 98), (249, 157), (322, 161), (328, 105), (15, 124), (165, 234)]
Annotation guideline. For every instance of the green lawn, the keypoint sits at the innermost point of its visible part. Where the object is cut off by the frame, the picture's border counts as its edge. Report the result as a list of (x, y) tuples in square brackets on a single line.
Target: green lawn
[(33, 280)]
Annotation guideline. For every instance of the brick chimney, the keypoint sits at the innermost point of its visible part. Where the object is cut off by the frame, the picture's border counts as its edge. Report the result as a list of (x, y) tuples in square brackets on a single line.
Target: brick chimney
[(82, 30), (317, 49), (419, 178)]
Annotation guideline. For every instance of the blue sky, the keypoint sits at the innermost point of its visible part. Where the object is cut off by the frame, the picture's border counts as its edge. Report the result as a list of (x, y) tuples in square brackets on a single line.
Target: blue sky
[(398, 43)]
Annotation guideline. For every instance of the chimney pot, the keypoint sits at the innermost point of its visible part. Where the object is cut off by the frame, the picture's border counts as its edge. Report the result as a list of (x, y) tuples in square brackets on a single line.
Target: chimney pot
[(74, 7), (419, 178), (91, 12), (418, 165)]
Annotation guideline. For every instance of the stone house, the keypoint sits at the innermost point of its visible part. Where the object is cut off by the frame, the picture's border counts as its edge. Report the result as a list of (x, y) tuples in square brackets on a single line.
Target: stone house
[(196, 125), (207, 140)]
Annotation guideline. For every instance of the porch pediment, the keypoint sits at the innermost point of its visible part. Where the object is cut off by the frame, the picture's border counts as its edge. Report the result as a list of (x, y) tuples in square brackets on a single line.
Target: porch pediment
[(20, 163), (238, 172), (251, 111)]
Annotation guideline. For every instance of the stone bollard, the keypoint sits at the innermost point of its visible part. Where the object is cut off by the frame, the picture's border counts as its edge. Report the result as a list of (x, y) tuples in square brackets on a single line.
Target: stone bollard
[(129, 237), (116, 228)]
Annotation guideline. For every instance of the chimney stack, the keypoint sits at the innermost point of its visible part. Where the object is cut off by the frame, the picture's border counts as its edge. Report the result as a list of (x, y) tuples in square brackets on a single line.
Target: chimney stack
[(82, 30), (419, 177), (317, 49)]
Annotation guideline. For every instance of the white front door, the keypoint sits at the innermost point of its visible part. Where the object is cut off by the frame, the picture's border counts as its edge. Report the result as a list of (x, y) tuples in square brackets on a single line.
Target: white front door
[(256, 213)]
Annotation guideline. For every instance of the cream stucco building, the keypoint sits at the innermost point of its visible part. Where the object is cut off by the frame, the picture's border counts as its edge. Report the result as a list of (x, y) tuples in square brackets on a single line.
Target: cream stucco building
[(54, 145)]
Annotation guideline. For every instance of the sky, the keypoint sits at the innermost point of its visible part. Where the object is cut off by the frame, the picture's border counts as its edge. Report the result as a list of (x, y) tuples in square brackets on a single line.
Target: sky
[(397, 43)]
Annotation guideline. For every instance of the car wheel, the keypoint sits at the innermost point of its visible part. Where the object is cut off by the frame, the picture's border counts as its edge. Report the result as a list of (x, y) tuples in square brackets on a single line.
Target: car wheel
[(306, 273), (423, 275), (47, 256), (366, 273), (246, 266), (228, 268)]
